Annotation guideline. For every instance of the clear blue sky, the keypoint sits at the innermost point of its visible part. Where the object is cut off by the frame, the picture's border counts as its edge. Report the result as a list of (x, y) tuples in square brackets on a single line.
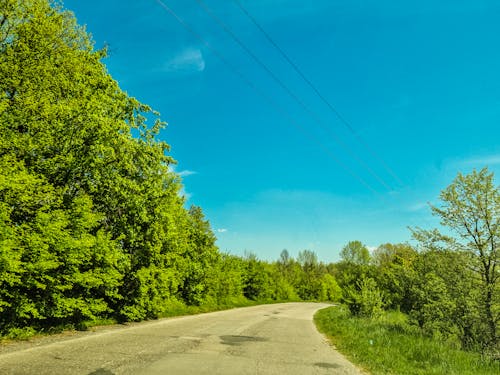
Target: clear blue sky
[(418, 82)]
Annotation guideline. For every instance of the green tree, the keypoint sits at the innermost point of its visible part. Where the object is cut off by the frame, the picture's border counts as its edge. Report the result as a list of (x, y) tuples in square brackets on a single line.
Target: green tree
[(470, 211), (201, 258), (355, 252), (331, 290), (395, 273), (92, 217), (309, 284), (444, 297), (58, 266), (229, 280), (258, 284), (61, 265), (388, 253), (353, 268), (290, 272)]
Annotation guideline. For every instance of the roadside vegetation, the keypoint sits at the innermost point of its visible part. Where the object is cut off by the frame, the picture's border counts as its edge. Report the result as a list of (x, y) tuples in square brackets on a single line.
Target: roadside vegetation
[(389, 344), (94, 228), (445, 291)]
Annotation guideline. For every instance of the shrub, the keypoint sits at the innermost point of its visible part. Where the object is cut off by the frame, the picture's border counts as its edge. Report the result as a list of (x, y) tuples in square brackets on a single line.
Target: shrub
[(364, 300)]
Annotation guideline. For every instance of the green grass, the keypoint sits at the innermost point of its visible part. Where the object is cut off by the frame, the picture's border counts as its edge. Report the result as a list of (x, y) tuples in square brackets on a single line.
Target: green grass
[(389, 345)]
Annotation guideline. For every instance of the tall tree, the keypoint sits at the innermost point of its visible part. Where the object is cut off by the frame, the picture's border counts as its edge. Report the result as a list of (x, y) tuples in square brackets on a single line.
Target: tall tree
[(201, 257), (470, 212), (92, 218), (309, 284), (58, 119)]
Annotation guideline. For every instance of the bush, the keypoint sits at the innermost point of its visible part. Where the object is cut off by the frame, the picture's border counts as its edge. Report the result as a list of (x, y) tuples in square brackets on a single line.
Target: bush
[(21, 333), (364, 300)]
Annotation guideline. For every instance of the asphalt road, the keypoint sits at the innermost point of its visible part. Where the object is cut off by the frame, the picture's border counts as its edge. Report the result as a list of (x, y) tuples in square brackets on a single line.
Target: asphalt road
[(266, 339)]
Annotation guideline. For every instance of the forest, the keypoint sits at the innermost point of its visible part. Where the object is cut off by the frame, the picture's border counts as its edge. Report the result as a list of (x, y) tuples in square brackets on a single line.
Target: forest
[(93, 225)]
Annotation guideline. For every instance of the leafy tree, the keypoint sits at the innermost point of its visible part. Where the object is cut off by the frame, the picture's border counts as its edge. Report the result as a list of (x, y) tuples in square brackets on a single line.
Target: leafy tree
[(291, 271), (309, 285), (229, 280), (356, 253), (396, 273), (282, 289), (201, 257), (388, 253), (61, 264), (58, 266), (444, 298), (470, 211), (92, 218), (331, 290)]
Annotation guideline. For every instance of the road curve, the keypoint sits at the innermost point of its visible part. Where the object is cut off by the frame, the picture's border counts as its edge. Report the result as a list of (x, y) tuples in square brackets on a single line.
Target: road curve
[(265, 339)]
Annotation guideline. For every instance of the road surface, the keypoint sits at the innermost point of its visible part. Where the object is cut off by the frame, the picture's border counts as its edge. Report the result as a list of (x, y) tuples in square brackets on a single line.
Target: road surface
[(266, 339)]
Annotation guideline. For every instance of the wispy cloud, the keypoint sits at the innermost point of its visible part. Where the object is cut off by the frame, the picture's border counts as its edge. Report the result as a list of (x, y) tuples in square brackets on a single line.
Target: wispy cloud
[(221, 230), (186, 173), (186, 61)]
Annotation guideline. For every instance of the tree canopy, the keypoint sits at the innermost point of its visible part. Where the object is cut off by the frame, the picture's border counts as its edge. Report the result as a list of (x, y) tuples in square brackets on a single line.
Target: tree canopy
[(356, 253), (470, 212), (91, 217)]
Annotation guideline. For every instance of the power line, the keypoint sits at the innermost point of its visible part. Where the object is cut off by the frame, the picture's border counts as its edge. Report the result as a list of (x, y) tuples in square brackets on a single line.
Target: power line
[(318, 93), (228, 30), (267, 98)]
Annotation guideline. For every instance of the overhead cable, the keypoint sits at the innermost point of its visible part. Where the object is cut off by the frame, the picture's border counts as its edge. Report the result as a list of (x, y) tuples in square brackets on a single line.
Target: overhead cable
[(295, 97), (262, 94), (342, 119)]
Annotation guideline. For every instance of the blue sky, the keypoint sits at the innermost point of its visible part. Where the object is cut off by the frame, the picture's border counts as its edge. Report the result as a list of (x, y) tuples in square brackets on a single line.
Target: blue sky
[(417, 82)]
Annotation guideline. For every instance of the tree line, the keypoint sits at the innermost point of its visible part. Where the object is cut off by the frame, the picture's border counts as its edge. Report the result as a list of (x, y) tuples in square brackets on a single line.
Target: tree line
[(93, 224)]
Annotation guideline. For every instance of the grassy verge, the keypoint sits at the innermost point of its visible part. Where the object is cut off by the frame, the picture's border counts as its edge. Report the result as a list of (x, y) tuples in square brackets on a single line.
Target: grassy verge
[(389, 345)]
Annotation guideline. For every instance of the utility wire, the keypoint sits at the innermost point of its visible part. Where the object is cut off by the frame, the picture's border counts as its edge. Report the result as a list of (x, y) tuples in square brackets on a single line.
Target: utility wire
[(327, 129), (261, 93), (318, 93)]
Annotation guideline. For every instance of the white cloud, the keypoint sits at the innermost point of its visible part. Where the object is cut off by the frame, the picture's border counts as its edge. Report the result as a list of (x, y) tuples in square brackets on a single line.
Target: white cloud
[(188, 60), (186, 173), (221, 230)]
